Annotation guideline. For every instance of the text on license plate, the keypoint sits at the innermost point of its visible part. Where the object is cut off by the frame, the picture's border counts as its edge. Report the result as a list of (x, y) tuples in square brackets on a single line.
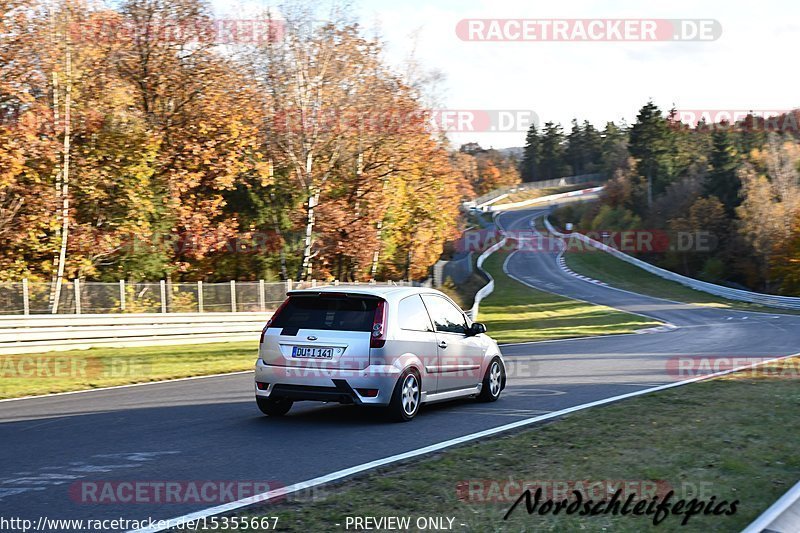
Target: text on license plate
[(316, 353)]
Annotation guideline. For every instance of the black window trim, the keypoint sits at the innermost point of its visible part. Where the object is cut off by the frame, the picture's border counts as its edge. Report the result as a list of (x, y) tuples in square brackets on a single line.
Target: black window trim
[(467, 320)]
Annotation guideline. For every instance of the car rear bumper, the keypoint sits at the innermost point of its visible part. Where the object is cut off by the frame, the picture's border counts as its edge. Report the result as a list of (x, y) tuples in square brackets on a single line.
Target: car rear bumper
[(327, 384)]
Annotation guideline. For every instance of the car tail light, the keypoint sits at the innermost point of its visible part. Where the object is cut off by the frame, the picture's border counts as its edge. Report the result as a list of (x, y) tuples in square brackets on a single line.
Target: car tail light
[(367, 393), (261, 385), (272, 319), (378, 336)]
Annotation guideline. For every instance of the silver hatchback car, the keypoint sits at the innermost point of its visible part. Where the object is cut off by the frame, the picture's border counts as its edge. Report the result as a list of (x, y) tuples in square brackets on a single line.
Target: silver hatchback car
[(395, 347)]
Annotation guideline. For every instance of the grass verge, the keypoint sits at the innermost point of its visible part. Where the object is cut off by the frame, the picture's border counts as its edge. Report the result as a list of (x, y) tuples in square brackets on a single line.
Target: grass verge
[(617, 273), (464, 293), (730, 438), (515, 312), (32, 374)]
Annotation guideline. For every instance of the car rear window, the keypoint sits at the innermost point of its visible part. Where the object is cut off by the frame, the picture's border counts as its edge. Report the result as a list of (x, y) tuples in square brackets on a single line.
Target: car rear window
[(327, 312)]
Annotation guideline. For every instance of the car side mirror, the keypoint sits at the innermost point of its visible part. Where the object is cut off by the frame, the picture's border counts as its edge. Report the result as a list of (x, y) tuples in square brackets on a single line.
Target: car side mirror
[(477, 328)]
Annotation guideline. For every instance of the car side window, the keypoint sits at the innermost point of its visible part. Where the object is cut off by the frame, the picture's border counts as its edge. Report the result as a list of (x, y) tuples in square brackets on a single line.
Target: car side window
[(446, 316), (413, 315)]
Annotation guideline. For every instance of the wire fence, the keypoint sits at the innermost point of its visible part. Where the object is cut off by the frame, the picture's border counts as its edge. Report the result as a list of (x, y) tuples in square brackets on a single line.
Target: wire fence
[(78, 297)]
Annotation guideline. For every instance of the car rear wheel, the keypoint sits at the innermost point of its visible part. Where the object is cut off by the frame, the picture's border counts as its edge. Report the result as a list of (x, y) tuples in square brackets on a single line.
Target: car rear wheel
[(493, 381), (404, 405), (274, 406)]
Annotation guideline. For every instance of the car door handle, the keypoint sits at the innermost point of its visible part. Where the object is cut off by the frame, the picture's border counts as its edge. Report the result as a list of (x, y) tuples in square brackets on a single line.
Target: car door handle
[(442, 344)]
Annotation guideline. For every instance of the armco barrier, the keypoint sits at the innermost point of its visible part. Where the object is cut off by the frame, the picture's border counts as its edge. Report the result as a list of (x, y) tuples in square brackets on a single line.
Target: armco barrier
[(783, 515), (782, 302), (545, 199), (44, 333), (497, 194), (487, 289)]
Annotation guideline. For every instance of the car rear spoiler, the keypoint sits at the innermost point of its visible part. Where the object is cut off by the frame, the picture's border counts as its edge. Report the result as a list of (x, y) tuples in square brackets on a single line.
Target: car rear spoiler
[(307, 292)]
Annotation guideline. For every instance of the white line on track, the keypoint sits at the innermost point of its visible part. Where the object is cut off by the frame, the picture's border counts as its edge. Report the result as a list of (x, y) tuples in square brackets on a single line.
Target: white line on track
[(357, 469)]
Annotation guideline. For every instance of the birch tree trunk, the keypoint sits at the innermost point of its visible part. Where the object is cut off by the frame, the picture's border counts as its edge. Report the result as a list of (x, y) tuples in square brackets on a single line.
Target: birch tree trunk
[(62, 254), (57, 167), (308, 265), (377, 253)]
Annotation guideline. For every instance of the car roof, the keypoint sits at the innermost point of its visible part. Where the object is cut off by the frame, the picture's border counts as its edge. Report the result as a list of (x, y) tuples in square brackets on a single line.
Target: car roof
[(387, 292)]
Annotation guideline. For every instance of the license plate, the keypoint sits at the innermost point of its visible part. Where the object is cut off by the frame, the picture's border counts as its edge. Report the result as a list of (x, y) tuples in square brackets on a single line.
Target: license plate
[(313, 353)]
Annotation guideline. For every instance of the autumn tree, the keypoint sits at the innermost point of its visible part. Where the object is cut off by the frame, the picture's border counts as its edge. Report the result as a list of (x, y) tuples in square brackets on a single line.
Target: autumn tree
[(786, 262), (349, 132), (488, 169), (770, 202), (27, 144), (707, 225), (200, 115), (308, 77), (422, 213)]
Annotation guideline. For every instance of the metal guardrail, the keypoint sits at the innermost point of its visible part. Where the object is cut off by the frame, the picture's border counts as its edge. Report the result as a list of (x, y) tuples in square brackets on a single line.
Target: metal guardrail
[(781, 302), (44, 333), (782, 516), (495, 194), (546, 199)]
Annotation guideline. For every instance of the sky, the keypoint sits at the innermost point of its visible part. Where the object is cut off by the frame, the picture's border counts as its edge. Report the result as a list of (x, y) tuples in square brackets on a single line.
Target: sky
[(749, 67)]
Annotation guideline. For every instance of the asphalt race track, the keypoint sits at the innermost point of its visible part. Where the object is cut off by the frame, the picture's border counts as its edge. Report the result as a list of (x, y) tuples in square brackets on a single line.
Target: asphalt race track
[(209, 428)]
